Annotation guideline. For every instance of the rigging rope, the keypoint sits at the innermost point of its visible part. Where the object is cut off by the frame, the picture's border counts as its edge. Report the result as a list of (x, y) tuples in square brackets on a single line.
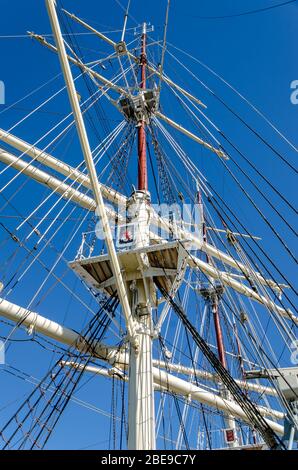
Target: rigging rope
[(245, 13), (206, 183), (257, 134), (252, 413), (45, 416), (247, 160), (163, 52)]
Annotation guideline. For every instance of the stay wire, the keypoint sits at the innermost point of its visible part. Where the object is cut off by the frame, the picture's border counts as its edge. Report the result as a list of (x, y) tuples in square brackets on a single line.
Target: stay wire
[(257, 134), (245, 13), (252, 201), (213, 199), (247, 160), (249, 408), (208, 184)]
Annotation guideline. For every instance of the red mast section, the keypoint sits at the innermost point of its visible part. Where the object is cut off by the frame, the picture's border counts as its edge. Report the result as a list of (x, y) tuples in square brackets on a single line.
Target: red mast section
[(142, 154), (214, 300)]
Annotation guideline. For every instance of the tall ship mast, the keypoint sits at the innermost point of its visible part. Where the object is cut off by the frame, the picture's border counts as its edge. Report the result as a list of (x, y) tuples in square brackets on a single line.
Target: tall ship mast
[(128, 279)]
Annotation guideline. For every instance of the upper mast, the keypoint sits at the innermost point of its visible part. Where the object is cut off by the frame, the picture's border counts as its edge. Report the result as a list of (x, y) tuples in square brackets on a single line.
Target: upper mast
[(142, 163)]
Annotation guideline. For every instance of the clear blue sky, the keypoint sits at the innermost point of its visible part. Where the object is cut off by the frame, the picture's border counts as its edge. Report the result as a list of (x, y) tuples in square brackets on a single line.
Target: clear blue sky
[(256, 53)]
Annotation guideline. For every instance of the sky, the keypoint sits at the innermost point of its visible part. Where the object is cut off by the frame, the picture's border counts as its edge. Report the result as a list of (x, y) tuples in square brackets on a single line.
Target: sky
[(255, 53)]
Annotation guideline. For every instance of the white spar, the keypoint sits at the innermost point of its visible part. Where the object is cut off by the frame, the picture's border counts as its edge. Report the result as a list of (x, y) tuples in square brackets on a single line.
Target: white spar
[(213, 377), (191, 135), (88, 203), (67, 191), (168, 382), (32, 320), (69, 337), (108, 193), (187, 389), (96, 188), (55, 164), (48, 180)]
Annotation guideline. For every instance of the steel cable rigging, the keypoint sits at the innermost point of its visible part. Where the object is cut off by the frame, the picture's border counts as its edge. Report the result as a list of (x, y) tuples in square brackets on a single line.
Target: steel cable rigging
[(211, 197), (248, 161), (262, 215), (33, 428), (254, 416)]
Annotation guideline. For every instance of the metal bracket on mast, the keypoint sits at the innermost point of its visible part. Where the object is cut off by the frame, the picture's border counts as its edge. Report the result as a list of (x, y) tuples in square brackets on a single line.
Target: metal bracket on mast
[(120, 48)]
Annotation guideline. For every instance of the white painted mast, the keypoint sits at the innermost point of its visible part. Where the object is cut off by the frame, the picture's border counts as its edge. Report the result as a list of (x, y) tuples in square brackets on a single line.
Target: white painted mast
[(141, 415)]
